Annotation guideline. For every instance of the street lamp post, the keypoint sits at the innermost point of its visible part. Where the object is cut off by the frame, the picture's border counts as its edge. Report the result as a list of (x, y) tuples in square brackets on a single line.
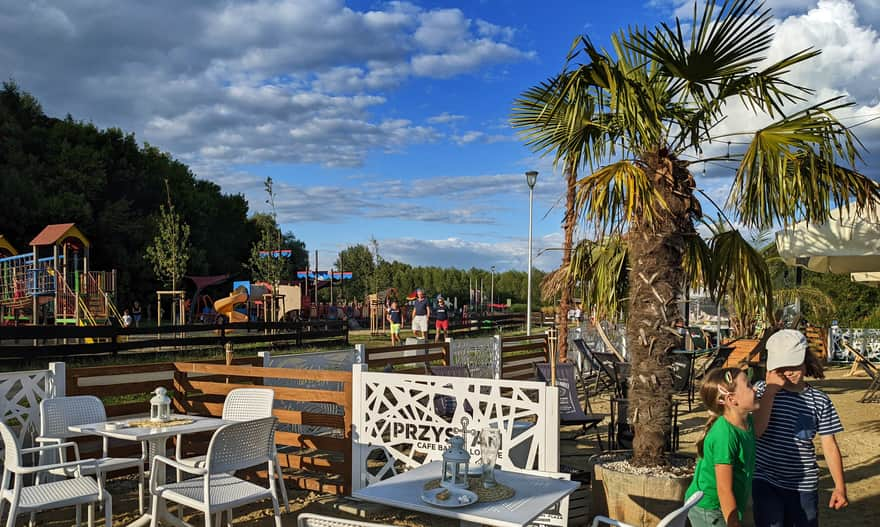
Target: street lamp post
[(531, 179), (492, 292)]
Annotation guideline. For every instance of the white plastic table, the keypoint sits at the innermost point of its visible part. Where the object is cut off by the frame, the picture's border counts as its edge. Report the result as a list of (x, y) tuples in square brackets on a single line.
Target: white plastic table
[(533, 495), (156, 439)]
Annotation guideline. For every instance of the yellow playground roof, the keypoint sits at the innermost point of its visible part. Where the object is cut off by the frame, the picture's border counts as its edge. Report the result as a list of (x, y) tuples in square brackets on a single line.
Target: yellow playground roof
[(6, 247)]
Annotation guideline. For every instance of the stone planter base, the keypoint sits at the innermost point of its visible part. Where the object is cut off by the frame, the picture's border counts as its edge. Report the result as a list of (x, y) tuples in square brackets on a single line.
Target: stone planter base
[(637, 499)]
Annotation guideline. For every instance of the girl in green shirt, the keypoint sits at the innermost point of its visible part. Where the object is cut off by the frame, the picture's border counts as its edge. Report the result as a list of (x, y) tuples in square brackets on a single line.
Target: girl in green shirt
[(726, 451)]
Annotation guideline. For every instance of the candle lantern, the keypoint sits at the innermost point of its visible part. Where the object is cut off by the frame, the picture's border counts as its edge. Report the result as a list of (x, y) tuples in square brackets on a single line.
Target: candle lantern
[(160, 406), (456, 461)]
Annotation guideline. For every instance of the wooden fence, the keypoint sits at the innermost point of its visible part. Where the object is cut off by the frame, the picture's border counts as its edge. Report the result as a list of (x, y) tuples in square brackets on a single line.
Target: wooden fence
[(407, 359), (53, 342), (520, 354), (313, 461)]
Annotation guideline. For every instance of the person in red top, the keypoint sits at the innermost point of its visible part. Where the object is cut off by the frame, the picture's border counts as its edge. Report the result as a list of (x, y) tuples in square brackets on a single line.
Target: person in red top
[(441, 322)]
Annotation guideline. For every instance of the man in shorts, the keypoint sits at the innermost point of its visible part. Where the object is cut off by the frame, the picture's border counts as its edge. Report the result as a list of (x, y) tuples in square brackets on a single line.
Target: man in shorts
[(421, 313), (441, 322)]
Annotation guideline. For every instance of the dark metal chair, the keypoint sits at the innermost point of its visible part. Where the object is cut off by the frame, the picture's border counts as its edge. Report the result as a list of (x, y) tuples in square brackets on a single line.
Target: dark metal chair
[(570, 411), (444, 405)]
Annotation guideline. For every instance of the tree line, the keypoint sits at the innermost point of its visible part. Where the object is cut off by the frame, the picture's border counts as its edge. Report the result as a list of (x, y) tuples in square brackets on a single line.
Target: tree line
[(124, 196), (372, 273)]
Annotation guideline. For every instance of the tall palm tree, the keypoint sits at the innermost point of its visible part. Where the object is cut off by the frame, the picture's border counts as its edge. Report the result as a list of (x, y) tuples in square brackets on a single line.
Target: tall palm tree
[(629, 118)]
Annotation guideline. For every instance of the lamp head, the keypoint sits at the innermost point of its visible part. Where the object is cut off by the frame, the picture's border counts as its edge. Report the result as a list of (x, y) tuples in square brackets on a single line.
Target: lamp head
[(531, 178)]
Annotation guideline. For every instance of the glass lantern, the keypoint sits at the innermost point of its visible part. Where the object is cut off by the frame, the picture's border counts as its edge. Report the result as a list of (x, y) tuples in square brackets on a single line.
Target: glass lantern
[(456, 461), (160, 406)]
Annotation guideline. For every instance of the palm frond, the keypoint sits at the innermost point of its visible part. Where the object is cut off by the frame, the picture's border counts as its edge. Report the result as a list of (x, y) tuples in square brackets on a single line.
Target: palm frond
[(619, 194), (817, 307), (723, 45), (600, 269), (740, 272), (697, 264), (789, 172)]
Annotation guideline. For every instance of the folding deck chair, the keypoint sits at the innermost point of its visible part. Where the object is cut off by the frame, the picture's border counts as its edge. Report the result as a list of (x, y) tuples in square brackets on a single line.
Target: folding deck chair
[(872, 394), (602, 374), (570, 411)]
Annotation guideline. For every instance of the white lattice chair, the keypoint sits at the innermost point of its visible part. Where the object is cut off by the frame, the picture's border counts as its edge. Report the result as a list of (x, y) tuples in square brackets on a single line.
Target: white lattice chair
[(242, 404), (77, 490), (234, 447), (59, 413), (316, 520), (676, 518)]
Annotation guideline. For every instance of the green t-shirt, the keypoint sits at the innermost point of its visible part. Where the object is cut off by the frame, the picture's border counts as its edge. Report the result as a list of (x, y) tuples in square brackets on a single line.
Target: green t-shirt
[(725, 444)]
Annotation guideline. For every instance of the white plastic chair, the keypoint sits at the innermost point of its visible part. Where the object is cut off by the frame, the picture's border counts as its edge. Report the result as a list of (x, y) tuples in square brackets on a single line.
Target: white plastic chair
[(233, 447), (242, 404), (676, 518), (77, 490), (59, 413), (317, 520)]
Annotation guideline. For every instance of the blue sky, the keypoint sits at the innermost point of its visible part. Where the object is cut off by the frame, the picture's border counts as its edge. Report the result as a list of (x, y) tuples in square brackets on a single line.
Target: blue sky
[(377, 119)]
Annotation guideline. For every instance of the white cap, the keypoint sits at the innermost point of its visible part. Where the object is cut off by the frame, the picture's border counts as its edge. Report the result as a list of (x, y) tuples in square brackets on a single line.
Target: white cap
[(786, 348)]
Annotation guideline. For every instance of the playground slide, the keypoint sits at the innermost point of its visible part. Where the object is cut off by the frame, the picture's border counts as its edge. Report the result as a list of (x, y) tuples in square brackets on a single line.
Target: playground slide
[(225, 306)]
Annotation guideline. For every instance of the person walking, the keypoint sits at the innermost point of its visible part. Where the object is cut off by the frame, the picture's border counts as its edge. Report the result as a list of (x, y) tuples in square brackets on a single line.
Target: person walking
[(394, 319), (786, 485), (441, 316), (421, 313)]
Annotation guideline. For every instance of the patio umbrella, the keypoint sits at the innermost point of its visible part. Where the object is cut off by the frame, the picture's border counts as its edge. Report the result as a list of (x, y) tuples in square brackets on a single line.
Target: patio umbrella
[(849, 242), (872, 279)]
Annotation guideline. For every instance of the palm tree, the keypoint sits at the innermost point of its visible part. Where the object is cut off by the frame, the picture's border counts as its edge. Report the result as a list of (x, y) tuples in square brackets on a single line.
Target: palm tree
[(629, 118)]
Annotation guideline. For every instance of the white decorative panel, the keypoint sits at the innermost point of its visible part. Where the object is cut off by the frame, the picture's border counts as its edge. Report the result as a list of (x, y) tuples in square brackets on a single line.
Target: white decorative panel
[(20, 396), (398, 426), (867, 341)]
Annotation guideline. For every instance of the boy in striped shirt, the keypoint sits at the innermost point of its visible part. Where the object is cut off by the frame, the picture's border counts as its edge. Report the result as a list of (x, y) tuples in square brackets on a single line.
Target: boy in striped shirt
[(792, 412)]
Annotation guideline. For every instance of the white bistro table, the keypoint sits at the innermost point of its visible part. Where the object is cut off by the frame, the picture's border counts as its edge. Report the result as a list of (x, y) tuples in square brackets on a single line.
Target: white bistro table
[(156, 438), (533, 495)]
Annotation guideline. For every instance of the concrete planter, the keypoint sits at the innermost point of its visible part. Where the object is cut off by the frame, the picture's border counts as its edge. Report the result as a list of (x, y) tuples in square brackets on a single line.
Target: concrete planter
[(637, 499)]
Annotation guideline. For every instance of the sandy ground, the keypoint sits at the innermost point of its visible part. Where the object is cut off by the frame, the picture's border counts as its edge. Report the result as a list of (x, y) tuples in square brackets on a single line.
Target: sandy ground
[(859, 443)]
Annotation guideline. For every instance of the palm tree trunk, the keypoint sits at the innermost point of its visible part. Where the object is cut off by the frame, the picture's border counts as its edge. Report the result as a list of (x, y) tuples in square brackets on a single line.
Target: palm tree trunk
[(568, 224), (656, 279)]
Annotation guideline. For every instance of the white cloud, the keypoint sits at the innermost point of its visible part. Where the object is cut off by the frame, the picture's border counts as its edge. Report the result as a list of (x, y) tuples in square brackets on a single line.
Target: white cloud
[(243, 82), (444, 118), (464, 254)]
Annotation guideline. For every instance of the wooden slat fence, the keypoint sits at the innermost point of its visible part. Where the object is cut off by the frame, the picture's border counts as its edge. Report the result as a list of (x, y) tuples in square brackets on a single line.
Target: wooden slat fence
[(520, 354), (407, 359), (46, 342), (317, 459), (322, 460)]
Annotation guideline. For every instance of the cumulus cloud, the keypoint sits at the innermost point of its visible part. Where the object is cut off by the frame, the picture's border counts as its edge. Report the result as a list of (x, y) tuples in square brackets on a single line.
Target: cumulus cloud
[(464, 254), (244, 82)]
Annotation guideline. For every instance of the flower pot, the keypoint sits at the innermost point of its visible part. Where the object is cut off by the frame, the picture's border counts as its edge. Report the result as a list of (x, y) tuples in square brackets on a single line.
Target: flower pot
[(640, 499)]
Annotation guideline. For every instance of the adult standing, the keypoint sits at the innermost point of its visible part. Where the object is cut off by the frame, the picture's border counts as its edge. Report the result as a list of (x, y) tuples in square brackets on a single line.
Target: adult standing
[(442, 319), (421, 313), (136, 313)]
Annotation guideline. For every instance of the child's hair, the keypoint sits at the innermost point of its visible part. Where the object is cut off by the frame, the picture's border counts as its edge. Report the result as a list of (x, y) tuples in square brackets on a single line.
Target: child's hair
[(716, 384), (813, 365)]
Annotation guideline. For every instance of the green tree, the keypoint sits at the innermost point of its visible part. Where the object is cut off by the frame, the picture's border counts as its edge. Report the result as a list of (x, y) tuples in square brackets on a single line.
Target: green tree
[(266, 262), (359, 260), (630, 116), (169, 252)]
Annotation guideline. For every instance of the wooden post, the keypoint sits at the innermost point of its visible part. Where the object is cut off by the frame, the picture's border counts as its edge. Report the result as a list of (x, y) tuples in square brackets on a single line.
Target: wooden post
[(228, 348)]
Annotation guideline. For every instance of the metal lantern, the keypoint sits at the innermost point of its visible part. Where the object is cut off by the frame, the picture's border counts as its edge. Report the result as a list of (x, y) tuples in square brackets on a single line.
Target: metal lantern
[(160, 406), (456, 461)]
